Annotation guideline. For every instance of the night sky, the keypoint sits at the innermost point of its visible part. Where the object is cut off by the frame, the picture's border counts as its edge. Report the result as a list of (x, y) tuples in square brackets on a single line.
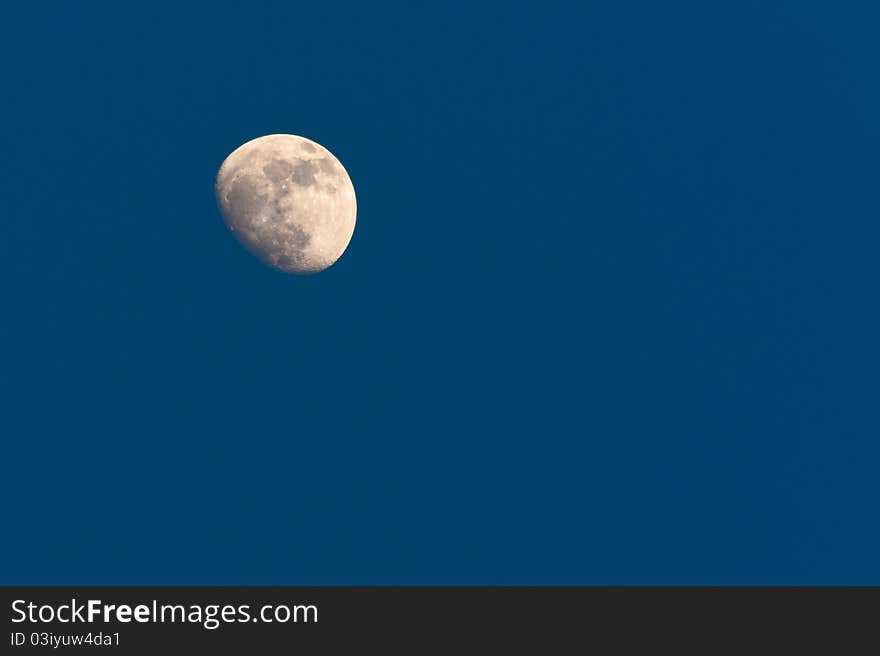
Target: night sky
[(609, 315)]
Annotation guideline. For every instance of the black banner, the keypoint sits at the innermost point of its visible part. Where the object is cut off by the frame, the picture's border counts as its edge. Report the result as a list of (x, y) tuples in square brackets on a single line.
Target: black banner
[(412, 620)]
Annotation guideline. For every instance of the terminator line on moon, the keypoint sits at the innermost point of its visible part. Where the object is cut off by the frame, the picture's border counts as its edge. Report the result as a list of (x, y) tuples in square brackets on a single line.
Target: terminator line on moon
[(289, 201)]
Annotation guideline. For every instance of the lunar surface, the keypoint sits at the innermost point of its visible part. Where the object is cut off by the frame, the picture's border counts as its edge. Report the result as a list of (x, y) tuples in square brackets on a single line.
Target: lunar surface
[(289, 201)]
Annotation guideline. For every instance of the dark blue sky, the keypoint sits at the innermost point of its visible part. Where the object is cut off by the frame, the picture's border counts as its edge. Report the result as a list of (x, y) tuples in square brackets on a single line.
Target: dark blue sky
[(609, 314)]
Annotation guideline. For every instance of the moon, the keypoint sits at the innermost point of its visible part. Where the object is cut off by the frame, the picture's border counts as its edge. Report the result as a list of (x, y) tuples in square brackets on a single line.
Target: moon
[(289, 201)]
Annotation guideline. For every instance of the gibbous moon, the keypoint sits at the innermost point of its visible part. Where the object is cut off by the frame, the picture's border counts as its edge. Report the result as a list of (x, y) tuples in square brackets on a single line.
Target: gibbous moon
[(289, 201)]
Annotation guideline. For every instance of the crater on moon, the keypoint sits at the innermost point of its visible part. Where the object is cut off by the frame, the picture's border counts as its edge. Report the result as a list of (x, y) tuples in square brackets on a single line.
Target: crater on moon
[(289, 201)]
